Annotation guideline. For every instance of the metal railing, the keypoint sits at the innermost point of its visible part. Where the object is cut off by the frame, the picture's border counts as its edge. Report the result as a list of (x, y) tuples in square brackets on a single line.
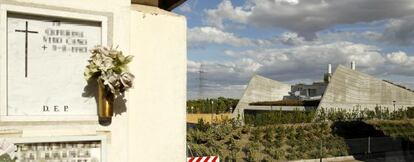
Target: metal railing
[(376, 144)]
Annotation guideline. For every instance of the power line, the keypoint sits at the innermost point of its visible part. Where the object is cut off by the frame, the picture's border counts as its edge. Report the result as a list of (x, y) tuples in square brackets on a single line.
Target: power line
[(201, 81)]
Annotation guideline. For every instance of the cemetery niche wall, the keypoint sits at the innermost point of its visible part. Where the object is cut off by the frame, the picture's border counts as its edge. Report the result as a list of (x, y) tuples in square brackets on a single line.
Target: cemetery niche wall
[(42, 64), (44, 106)]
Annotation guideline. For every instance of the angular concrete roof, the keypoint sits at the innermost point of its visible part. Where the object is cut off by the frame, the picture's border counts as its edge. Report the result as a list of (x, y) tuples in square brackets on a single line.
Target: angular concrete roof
[(261, 89), (352, 89)]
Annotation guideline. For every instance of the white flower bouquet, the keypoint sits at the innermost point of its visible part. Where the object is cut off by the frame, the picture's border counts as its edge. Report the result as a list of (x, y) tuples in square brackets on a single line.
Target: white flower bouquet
[(110, 67), (7, 151)]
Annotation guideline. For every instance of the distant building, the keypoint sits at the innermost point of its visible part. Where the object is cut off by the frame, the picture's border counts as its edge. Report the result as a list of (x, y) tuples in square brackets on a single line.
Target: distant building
[(306, 91), (346, 89)]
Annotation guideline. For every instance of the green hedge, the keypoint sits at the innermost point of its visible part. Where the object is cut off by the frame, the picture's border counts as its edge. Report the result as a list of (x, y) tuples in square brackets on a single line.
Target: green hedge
[(212, 105), (279, 117), (261, 118)]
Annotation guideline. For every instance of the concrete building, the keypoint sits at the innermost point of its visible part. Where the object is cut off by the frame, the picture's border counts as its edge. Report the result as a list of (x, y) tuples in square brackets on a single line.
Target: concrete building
[(352, 89), (260, 89), (347, 88)]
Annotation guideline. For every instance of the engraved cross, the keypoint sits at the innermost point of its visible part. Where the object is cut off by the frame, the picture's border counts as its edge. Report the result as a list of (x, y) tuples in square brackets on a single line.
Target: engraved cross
[(26, 31)]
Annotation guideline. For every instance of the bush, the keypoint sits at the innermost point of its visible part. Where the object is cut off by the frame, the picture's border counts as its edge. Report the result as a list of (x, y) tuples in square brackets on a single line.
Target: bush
[(280, 133), (218, 134), (202, 126), (266, 159), (268, 134), (202, 150), (252, 151), (410, 112), (246, 129), (255, 135), (198, 137), (276, 154)]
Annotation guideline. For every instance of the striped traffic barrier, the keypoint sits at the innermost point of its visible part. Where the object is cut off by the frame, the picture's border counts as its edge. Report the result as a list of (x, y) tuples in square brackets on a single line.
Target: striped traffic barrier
[(204, 159)]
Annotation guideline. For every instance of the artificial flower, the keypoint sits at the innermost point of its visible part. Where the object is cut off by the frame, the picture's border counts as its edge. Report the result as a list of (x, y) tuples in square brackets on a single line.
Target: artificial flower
[(109, 66)]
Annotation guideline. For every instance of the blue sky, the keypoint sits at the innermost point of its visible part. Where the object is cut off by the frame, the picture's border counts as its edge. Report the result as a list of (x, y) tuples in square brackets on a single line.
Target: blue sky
[(294, 40)]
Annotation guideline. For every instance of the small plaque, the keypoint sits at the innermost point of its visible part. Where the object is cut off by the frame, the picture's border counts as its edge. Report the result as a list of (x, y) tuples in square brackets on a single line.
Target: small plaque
[(86, 151)]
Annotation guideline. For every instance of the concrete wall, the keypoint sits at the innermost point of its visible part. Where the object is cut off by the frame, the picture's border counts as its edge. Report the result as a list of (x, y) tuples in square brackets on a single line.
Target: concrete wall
[(157, 113), (352, 89), (261, 89), (153, 126)]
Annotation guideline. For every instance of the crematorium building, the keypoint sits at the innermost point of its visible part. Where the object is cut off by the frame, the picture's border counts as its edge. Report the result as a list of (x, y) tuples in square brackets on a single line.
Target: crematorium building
[(346, 88)]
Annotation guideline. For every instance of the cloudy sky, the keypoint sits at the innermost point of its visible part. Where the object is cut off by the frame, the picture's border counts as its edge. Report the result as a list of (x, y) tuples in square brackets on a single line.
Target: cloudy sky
[(293, 41)]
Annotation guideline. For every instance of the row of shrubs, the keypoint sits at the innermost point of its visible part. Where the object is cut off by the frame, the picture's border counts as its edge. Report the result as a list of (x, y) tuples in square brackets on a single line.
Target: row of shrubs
[(291, 135), (332, 114), (279, 117), (233, 142), (337, 114)]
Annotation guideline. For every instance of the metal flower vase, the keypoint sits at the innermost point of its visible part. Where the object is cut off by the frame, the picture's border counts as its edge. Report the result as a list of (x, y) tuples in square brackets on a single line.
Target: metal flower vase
[(105, 101)]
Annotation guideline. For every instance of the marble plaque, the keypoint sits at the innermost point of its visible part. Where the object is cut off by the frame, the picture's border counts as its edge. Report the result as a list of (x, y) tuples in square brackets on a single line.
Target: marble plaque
[(46, 58), (87, 151)]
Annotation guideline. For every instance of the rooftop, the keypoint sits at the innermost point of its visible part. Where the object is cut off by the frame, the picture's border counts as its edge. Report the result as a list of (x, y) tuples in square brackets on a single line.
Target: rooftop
[(163, 4)]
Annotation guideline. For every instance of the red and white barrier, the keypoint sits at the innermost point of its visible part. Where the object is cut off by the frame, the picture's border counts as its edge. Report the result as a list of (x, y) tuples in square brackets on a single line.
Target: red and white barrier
[(204, 159)]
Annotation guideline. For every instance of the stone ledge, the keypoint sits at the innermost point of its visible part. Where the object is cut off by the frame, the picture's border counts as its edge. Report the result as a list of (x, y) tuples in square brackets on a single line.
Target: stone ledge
[(10, 133)]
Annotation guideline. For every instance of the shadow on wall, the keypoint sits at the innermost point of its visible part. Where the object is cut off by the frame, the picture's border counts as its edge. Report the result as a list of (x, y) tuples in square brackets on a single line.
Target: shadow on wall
[(355, 129), (91, 90), (366, 143)]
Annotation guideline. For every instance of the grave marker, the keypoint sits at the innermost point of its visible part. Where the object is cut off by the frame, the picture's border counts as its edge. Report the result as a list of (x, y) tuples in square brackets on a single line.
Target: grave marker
[(44, 63)]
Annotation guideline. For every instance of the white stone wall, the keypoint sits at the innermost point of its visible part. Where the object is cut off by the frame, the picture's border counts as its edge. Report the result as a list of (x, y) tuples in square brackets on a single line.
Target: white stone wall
[(153, 126), (157, 105)]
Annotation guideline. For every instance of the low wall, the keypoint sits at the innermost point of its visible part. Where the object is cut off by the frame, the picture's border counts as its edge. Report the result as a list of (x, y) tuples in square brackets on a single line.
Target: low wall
[(208, 118)]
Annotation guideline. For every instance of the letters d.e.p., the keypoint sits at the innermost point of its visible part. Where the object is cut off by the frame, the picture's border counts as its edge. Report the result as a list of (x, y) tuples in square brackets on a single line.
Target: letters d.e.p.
[(55, 108)]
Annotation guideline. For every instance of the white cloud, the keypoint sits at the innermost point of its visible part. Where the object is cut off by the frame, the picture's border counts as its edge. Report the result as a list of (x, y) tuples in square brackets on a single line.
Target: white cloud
[(348, 36), (399, 63), (400, 31), (225, 10), (311, 59), (219, 79), (396, 32), (398, 58), (307, 17), (295, 63), (193, 67), (304, 62), (200, 36), (370, 35), (290, 38), (216, 90)]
